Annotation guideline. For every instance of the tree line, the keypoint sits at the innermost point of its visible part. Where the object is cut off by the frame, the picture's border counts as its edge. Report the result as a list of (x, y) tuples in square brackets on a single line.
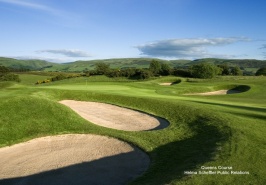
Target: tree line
[(7, 75), (199, 70), (58, 77)]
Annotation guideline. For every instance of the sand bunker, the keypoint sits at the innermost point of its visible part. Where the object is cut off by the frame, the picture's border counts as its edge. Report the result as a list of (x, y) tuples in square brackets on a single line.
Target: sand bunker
[(116, 117), (71, 159), (167, 83), (220, 92)]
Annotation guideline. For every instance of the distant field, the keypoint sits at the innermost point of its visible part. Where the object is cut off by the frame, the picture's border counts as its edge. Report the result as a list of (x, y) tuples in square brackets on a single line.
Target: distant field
[(205, 131)]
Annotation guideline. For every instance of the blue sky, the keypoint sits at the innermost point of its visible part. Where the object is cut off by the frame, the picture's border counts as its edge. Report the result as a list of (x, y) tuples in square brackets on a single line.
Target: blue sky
[(70, 30)]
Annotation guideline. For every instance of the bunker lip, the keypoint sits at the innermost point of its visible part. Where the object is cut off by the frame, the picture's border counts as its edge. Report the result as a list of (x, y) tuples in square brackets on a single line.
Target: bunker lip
[(232, 89), (72, 159), (220, 92), (115, 117), (170, 83), (166, 83)]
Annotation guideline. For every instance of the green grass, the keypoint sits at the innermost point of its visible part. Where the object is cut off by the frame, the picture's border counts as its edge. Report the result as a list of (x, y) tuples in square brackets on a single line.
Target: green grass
[(223, 130), (31, 79)]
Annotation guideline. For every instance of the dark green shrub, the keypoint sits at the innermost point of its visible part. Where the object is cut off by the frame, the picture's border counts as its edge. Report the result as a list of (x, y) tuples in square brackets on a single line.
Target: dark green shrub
[(155, 67), (182, 72), (225, 70), (142, 74), (261, 72), (236, 71), (10, 77), (205, 70), (102, 68), (165, 70)]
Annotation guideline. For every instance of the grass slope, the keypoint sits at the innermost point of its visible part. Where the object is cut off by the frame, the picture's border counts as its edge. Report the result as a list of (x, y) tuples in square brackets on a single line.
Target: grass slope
[(250, 66), (79, 66), (25, 64), (225, 130), (114, 63)]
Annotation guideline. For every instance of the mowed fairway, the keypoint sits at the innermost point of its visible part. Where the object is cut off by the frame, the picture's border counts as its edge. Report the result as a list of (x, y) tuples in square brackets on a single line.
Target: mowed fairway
[(226, 132)]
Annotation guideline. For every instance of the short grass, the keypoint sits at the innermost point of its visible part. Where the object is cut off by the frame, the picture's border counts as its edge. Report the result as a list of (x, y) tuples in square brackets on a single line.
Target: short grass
[(223, 130)]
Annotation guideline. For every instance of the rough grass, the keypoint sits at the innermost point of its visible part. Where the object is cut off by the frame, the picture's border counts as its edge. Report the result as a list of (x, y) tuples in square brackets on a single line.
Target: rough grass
[(204, 131), (31, 79)]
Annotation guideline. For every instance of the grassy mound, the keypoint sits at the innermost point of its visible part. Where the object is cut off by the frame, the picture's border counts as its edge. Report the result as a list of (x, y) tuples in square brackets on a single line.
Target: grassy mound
[(203, 131)]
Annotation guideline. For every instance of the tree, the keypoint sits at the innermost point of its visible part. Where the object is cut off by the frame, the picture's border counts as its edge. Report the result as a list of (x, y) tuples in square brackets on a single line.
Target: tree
[(5, 75), (204, 70), (141, 74), (261, 71), (128, 72), (182, 72), (225, 69), (155, 67), (236, 71), (114, 73), (165, 69), (4, 70), (102, 68)]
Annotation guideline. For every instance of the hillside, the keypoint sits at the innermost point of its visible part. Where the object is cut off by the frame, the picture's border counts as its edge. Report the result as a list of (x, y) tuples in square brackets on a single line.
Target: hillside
[(250, 66), (114, 63), (79, 66), (25, 64), (244, 63)]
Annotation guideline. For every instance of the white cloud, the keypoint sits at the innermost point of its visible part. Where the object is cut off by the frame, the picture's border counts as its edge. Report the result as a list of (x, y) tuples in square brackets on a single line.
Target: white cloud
[(186, 48), (31, 5), (66, 52), (263, 46), (264, 54), (41, 7), (50, 59)]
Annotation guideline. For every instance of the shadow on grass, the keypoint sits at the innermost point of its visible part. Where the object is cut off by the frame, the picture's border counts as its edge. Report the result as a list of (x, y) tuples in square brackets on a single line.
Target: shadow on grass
[(173, 159), (113, 170), (176, 82), (238, 89), (163, 123), (241, 88), (257, 109), (169, 162), (249, 115)]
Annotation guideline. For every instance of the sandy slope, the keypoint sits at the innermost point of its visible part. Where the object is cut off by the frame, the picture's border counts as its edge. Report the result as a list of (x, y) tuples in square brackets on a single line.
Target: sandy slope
[(71, 159), (111, 116), (166, 83), (220, 92)]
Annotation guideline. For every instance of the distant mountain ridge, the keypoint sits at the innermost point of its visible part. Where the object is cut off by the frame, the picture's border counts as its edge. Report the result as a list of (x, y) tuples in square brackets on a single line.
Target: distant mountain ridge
[(79, 66)]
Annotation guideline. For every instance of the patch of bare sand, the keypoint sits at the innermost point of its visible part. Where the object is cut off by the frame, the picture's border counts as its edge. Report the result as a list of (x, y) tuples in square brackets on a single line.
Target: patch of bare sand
[(116, 117), (71, 159), (167, 83), (220, 92)]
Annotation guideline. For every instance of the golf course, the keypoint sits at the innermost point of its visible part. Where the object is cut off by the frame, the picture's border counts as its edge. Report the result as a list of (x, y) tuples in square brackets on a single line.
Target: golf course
[(191, 136)]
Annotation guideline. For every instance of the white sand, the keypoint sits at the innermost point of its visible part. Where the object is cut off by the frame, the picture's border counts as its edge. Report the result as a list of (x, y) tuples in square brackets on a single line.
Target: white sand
[(71, 159), (220, 92), (167, 83), (116, 117)]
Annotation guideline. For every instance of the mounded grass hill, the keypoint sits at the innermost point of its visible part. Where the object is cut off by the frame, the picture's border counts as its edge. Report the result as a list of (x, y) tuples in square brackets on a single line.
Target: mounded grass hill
[(226, 132), (25, 64)]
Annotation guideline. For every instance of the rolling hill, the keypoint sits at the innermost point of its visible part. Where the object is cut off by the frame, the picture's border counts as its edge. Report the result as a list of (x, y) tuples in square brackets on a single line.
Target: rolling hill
[(25, 64), (250, 66)]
